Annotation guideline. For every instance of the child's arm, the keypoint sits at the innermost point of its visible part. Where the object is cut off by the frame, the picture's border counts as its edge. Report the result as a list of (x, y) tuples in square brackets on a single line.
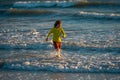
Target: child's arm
[(63, 32), (48, 35)]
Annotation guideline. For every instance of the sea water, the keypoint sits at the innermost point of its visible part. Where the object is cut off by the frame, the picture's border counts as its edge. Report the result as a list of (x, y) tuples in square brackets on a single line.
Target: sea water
[(90, 51)]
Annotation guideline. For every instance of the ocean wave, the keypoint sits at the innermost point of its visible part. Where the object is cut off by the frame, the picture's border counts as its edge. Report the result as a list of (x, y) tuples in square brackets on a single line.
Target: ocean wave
[(12, 11), (78, 14), (32, 4), (99, 15), (62, 4)]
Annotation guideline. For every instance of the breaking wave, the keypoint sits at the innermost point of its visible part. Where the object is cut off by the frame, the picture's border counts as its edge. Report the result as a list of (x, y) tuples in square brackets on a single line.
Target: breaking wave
[(27, 12), (62, 4), (100, 15), (51, 8), (78, 14)]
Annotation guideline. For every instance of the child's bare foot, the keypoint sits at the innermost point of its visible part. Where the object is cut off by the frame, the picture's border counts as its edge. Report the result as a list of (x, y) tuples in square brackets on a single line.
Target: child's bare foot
[(58, 56)]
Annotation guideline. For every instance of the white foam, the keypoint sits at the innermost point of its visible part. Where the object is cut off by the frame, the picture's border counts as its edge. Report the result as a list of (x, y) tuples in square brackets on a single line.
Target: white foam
[(27, 63), (99, 14), (43, 4), (33, 4), (65, 4)]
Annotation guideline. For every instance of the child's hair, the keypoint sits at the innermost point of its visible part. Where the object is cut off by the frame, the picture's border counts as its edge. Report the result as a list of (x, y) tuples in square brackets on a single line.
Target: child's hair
[(57, 23)]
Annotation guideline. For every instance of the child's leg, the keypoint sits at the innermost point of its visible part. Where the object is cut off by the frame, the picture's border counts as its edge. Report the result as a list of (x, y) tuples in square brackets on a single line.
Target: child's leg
[(57, 46), (58, 53)]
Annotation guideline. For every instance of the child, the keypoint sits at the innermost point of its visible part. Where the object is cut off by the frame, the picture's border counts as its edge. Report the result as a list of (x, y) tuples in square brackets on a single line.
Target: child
[(57, 32)]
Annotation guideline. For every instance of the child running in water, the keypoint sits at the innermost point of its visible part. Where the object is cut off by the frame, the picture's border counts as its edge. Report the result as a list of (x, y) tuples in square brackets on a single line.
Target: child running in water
[(57, 32)]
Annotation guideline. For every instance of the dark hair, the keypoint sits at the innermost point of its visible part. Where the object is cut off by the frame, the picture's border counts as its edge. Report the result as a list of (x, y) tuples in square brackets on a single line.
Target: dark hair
[(58, 22)]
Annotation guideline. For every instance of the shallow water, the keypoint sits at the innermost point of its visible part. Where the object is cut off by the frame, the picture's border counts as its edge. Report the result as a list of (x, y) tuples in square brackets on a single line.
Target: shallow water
[(26, 75), (92, 44)]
